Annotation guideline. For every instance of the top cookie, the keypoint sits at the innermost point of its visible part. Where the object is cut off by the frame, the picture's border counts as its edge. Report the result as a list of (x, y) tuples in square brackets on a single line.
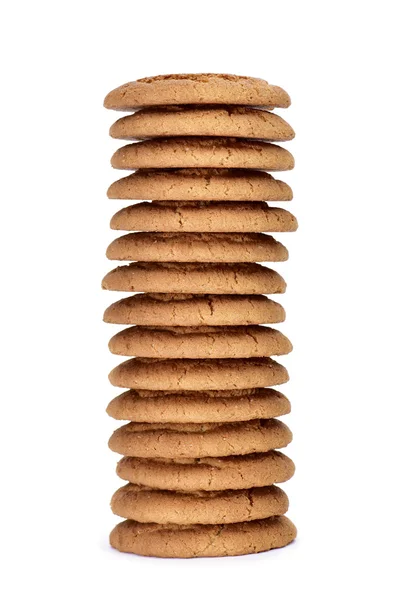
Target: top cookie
[(196, 88), (223, 121)]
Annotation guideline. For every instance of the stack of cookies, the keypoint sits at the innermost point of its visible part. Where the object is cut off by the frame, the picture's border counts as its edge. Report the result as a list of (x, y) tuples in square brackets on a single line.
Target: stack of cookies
[(200, 451)]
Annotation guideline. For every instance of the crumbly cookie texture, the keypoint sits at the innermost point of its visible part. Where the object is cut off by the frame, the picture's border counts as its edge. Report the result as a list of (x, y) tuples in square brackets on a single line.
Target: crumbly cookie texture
[(202, 152), (232, 185), (229, 217), (199, 440), (200, 342), (197, 247), (223, 406), (194, 278), (212, 474), (205, 374), (191, 541), (224, 121), (199, 88), (231, 506), (194, 310)]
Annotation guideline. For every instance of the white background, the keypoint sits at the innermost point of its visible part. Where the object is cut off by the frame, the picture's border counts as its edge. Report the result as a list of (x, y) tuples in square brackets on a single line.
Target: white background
[(338, 61)]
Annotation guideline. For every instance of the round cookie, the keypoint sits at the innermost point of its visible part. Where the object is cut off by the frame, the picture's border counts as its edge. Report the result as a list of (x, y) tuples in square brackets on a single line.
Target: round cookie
[(200, 342), (212, 474), (192, 374), (178, 541), (159, 310), (200, 185), (191, 440), (223, 121), (210, 217), (196, 88), (231, 506), (202, 152), (198, 407), (194, 278), (197, 247)]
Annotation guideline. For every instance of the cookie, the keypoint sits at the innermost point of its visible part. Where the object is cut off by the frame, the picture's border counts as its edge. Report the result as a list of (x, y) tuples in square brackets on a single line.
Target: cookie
[(191, 440), (198, 407), (179, 541), (197, 247), (190, 374), (197, 88), (193, 310), (202, 152), (200, 342), (231, 506), (194, 278), (209, 217), (193, 474), (223, 121), (200, 184)]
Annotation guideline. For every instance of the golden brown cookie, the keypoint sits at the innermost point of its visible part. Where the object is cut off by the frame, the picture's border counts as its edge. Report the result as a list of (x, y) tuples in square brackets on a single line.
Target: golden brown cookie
[(194, 278), (146, 505), (197, 247), (191, 374), (200, 185), (175, 310), (210, 217), (225, 121), (202, 152), (191, 541), (192, 474), (200, 342), (224, 406), (198, 440), (196, 88)]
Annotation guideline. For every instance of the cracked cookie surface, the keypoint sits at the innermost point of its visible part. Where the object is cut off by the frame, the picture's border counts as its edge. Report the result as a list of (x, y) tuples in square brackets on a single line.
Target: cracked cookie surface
[(195, 278), (195, 440), (146, 505), (200, 342), (215, 217), (226, 406), (190, 541), (194, 310), (197, 247), (192, 374), (199, 88), (220, 473), (232, 185), (225, 121), (202, 152)]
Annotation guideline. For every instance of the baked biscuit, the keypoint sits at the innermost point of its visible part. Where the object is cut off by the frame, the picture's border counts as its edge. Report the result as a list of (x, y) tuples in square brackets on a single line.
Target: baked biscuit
[(202, 152), (232, 185), (209, 217), (196, 88), (223, 121), (197, 247), (146, 505), (194, 278), (200, 342), (175, 310), (225, 406), (191, 541), (191, 374), (191, 440), (193, 474)]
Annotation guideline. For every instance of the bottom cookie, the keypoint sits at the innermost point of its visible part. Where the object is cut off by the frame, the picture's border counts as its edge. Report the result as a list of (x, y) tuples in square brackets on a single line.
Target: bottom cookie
[(177, 541)]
